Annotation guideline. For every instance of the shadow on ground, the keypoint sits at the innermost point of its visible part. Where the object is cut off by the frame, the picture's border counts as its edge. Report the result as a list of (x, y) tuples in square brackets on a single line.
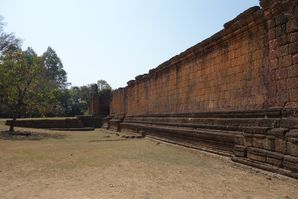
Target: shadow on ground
[(111, 140), (6, 135)]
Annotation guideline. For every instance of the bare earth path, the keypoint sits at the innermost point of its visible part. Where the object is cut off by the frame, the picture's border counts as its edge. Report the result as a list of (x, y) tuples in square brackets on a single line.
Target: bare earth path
[(99, 164)]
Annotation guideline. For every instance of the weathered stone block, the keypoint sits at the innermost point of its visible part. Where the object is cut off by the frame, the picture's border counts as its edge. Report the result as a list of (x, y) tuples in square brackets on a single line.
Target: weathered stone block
[(280, 19), (282, 40), (281, 29), (283, 51), (285, 60), (259, 141), (289, 122), (293, 71), (276, 140), (292, 25), (271, 34), (274, 158), (239, 151), (290, 163), (248, 139), (295, 59), (293, 48), (293, 37), (280, 145), (278, 132), (292, 82), (292, 148), (271, 23), (294, 98), (256, 157), (115, 125), (256, 154), (273, 45), (281, 73), (270, 143), (292, 142)]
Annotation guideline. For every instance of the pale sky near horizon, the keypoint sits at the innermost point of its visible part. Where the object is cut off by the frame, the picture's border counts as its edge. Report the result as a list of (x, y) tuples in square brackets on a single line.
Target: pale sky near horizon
[(116, 40)]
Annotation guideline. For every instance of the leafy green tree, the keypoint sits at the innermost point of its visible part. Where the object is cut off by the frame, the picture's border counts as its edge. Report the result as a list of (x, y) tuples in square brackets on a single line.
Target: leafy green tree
[(103, 85), (25, 85), (7, 42), (78, 104), (71, 102), (54, 68), (85, 92)]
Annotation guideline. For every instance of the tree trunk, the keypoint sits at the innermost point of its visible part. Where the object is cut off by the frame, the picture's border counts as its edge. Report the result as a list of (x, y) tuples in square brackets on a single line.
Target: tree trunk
[(13, 123), (15, 114)]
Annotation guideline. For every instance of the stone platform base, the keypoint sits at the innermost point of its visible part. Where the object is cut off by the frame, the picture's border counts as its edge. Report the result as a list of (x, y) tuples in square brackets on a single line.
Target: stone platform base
[(78, 123), (266, 139)]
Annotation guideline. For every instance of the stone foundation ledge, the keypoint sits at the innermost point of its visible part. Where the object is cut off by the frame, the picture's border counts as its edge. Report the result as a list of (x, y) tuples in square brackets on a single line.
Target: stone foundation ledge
[(266, 138), (73, 123), (267, 167), (271, 161)]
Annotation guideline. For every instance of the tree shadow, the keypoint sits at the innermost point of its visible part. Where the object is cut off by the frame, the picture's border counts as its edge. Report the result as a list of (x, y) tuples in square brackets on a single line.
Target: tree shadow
[(27, 135)]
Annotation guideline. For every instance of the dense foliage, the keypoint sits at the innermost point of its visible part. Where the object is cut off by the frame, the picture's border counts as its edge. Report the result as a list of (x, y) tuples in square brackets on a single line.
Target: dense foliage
[(32, 85)]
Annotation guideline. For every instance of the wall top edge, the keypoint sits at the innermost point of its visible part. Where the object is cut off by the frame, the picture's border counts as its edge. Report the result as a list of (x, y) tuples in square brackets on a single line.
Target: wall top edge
[(241, 21)]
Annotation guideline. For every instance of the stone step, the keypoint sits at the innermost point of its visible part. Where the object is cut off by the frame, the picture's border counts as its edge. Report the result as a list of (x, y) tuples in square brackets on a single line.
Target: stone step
[(272, 113), (250, 129), (205, 137), (266, 166), (244, 122)]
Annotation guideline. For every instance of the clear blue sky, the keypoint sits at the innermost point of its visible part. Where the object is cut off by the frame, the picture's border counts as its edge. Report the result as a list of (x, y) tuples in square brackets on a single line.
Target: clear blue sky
[(116, 40)]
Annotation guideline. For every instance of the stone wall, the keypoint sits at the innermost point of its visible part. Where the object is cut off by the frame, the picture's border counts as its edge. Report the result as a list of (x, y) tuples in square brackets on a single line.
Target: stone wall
[(250, 64), (235, 93), (80, 122), (99, 102), (48, 123), (282, 33)]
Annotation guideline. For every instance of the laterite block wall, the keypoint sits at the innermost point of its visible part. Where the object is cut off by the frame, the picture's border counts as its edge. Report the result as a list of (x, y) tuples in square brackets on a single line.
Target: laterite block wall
[(236, 91), (250, 64)]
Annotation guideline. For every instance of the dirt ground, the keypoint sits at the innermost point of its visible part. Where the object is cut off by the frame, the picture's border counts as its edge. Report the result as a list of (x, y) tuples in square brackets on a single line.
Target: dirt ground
[(100, 164)]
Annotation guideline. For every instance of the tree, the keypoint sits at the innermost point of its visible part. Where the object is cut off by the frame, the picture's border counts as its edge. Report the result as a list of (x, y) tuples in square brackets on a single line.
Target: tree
[(54, 68), (7, 42), (103, 85), (72, 101), (85, 92), (77, 103), (25, 84)]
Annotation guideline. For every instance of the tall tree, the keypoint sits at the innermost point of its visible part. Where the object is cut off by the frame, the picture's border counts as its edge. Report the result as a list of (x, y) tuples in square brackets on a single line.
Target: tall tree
[(25, 84), (7, 42), (103, 85), (54, 68), (78, 104)]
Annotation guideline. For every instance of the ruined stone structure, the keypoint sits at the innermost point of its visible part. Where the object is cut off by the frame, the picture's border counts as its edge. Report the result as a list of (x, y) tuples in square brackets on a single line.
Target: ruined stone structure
[(99, 105), (79, 123), (235, 93)]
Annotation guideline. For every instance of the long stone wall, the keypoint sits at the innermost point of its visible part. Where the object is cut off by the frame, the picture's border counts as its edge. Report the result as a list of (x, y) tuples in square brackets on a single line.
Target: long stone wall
[(235, 93), (79, 123)]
